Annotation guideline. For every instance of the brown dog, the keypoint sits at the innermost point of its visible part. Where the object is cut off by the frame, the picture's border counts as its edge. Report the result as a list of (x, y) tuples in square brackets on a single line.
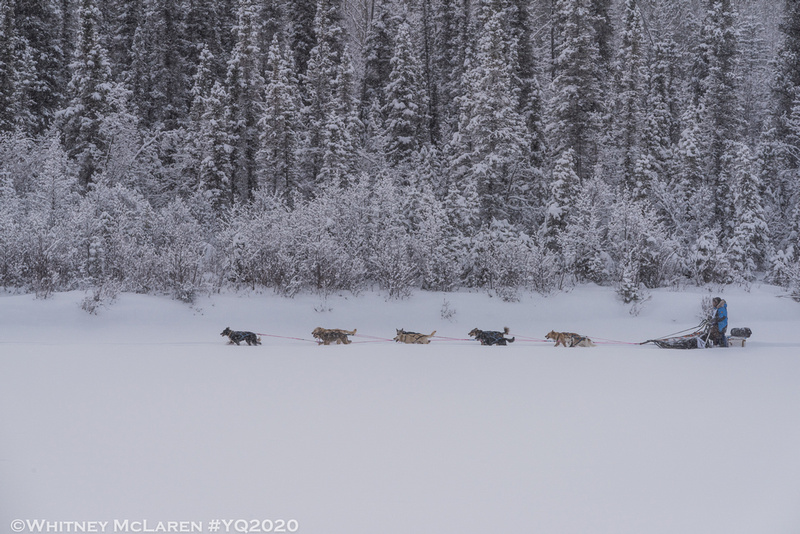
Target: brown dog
[(326, 336), (569, 339), (413, 337)]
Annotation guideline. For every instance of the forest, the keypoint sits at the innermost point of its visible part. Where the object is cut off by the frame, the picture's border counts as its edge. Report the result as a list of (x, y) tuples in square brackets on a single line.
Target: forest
[(187, 146)]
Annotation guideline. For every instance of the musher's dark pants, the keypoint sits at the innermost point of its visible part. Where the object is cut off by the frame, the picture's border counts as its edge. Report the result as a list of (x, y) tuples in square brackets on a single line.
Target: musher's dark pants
[(717, 336)]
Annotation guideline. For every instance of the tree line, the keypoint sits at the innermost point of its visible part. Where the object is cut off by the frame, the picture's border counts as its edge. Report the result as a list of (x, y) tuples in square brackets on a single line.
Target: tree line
[(327, 145)]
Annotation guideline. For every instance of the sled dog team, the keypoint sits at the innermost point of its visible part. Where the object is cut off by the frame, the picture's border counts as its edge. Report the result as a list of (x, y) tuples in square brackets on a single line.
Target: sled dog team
[(327, 336)]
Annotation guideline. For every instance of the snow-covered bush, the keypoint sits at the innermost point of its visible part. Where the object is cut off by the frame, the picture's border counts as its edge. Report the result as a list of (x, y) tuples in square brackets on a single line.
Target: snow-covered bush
[(507, 260), (638, 240), (180, 249)]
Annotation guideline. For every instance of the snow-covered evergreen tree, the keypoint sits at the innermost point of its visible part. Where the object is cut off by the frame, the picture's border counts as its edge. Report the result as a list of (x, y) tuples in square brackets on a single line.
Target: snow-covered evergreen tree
[(750, 246), (215, 174), (245, 91), (318, 81), (89, 91), (786, 86), (158, 74), (340, 133), (491, 124), (451, 48), (23, 103), (708, 261), (300, 31), (7, 66), (661, 135), (531, 99), (42, 63), (405, 106), (630, 114), (279, 125), (435, 244), (204, 29), (564, 190), (721, 119), (377, 55), (206, 154), (577, 96)]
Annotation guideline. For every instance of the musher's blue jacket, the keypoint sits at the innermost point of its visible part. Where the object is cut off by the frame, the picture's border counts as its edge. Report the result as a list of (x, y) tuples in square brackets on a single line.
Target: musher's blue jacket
[(721, 315)]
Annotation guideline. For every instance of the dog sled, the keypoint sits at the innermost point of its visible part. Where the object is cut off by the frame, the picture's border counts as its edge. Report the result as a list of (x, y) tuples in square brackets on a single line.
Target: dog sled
[(695, 340), (699, 338)]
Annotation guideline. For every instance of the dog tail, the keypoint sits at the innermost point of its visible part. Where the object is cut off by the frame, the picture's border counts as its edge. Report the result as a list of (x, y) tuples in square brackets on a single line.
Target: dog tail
[(432, 333), (505, 330), (511, 340)]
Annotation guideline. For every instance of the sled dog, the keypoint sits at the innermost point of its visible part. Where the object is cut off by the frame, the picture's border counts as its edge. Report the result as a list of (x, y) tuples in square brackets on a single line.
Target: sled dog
[(413, 337), (491, 337), (237, 336), (326, 336), (569, 339)]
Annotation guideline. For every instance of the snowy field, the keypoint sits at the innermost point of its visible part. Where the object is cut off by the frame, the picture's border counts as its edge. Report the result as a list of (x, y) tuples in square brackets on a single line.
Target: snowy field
[(143, 415)]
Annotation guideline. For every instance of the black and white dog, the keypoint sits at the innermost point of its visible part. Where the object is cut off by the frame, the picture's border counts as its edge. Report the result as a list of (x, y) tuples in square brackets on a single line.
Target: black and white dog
[(239, 336), (491, 337)]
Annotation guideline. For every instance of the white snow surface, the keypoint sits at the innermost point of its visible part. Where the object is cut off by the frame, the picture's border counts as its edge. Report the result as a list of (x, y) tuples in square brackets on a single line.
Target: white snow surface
[(144, 412)]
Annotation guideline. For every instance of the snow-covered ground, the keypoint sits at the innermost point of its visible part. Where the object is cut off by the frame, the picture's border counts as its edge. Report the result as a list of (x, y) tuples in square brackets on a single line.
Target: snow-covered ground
[(144, 414)]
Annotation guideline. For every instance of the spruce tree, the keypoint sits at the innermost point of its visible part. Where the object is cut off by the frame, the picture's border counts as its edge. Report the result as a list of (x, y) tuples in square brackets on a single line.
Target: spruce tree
[(323, 66), (564, 191), (25, 84), (208, 144), (123, 21), (377, 56), (405, 106), (531, 99), (750, 245), (245, 91), (576, 102), (721, 119), (300, 31), (786, 87), (452, 43), (340, 131), (45, 66), (279, 124), (158, 74), (89, 91), (204, 27), (8, 71), (490, 122), (661, 131), (629, 117)]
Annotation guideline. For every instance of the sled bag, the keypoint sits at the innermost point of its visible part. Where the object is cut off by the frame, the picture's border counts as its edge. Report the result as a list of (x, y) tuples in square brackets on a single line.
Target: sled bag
[(741, 332)]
